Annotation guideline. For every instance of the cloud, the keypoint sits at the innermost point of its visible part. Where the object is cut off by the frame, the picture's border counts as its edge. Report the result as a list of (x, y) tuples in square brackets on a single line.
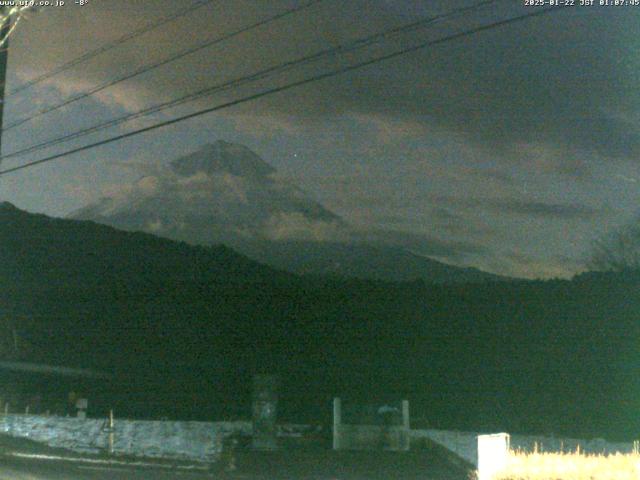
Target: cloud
[(451, 250), (265, 126), (626, 178), (529, 266), (522, 207), (513, 126), (496, 175), (390, 130), (296, 226), (542, 209), (148, 186), (498, 88)]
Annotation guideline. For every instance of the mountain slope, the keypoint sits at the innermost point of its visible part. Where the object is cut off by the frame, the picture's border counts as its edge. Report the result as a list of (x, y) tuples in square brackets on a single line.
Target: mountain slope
[(360, 260)]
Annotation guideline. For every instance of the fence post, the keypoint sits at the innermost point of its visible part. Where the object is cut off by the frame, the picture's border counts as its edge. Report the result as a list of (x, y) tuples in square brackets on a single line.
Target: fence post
[(112, 439), (265, 403), (337, 423), (405, 442), (493, 454), (405, 414)]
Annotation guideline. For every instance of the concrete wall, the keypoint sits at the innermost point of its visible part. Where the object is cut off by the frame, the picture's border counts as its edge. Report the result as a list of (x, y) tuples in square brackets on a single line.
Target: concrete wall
[(366, 437), (195, 441), (202, 441), (465, 444)]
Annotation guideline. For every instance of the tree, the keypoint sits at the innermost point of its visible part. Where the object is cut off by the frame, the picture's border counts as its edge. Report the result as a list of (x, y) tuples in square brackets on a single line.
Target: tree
[(9, 19), (619, 251)]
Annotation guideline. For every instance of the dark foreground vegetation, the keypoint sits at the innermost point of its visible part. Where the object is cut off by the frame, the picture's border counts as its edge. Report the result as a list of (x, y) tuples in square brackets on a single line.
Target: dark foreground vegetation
[(183, 329)]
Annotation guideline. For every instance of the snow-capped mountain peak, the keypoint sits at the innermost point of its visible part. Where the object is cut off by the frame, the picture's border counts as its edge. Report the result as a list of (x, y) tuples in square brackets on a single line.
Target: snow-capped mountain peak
[(223, 157), (221, 193)]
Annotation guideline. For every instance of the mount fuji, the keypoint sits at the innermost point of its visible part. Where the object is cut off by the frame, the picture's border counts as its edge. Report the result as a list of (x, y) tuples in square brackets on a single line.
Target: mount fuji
[(226, 194)]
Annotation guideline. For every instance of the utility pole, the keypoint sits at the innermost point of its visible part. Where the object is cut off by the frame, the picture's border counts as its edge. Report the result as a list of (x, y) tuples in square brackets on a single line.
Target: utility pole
[(4, 58)]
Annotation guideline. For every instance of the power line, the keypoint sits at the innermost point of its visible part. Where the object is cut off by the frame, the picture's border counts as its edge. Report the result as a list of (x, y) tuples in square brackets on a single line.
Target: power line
[(288, 86), (110, 46), (340, 49), (172, 58)]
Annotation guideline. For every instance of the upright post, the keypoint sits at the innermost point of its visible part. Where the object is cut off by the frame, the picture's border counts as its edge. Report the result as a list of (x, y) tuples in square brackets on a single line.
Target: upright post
[(265, 408), (4, 58), (405, 442), (337, 423), (112, 437), (405, 414)]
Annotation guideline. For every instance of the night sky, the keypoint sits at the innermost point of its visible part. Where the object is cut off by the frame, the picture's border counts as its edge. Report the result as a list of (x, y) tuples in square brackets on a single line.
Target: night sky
[(511, 150)]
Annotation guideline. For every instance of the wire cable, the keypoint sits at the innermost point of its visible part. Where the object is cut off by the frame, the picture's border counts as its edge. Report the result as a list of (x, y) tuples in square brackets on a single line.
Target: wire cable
[(108, 46), (288, 86), (265, 73), (153, 66)]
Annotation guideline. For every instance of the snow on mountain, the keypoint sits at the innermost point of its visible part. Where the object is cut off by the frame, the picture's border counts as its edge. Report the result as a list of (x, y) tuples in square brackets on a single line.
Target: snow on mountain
[(222, 193)]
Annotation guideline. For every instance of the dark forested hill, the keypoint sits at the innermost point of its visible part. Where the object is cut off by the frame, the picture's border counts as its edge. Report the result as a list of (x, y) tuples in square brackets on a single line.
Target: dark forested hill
[(183, 328)]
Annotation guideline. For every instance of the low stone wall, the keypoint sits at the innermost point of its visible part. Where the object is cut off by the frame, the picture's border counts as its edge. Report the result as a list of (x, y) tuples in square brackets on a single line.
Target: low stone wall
[(195, 441)]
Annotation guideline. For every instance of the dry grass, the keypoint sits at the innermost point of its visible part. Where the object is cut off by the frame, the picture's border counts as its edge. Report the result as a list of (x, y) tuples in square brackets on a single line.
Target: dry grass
[(571, 466)]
